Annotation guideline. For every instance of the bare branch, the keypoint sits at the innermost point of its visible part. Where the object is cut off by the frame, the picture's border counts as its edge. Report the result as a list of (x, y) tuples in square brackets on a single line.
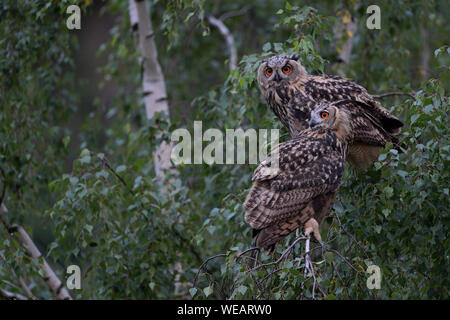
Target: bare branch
[(56, 286), (7, 295), (343, 258), (235, 13), (204, 265), (21, 281), (395, 93), (228, 38), (284, 254), (246, 251)]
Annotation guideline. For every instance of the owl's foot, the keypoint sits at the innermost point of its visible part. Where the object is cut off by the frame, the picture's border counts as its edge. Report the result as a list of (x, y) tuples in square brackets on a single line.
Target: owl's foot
[(312, 226), (309, 268)]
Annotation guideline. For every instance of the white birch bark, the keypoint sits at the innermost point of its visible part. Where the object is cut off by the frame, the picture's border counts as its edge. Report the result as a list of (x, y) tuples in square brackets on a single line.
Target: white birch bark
[(51, 279), (154, 87), (228, 38), (155, 95), (345, 28), (6, 295)]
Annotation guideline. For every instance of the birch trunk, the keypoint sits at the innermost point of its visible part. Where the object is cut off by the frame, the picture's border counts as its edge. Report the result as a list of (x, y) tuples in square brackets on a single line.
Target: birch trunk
[(155, 95), (154, 87), (424, 54), (345, 30)]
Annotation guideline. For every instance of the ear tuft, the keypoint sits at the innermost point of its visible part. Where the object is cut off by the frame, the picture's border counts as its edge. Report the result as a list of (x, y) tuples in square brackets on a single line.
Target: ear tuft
[(294, 57)]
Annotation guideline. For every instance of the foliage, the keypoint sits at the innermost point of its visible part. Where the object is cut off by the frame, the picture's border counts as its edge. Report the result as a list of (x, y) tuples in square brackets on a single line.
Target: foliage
[(95, 202)]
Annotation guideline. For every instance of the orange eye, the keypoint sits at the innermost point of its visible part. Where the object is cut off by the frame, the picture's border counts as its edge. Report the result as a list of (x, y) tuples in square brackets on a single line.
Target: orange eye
[(324, 115), (269, 72), (286, 69)]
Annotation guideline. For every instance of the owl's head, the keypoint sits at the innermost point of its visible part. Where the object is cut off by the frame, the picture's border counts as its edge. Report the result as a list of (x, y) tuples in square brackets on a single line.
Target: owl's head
[(281, 70), (330, 116)]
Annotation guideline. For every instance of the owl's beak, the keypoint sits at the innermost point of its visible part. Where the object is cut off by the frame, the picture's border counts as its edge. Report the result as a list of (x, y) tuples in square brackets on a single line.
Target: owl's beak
[(312, 123), (277, 77)]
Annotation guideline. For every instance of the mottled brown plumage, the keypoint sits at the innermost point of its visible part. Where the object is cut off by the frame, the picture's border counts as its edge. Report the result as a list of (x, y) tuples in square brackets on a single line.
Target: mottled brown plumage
[(292, 93), (301, 190)]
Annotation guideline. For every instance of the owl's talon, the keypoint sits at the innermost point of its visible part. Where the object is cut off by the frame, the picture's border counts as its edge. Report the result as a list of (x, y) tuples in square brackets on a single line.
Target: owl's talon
[(312, 226)]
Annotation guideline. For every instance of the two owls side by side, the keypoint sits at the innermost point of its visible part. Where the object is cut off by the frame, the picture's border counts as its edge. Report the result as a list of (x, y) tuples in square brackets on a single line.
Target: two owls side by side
[(331, 120)]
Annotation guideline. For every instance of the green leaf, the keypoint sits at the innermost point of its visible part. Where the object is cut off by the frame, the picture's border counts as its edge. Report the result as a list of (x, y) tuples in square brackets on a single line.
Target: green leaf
[(85, 159), (388, 191), (121, 168), (242, 289), (89, 228), (73, 180), (208, 291), (267, 46), (193, 291)]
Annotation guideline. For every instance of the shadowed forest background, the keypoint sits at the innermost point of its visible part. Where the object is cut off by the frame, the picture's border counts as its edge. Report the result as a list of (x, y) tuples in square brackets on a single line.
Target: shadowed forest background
[(78, 173)]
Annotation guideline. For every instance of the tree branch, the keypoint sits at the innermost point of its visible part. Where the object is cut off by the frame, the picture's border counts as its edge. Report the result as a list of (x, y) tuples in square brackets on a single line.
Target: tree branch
[(228, 38), (235, 13), (396, 93), (50, 278), (7, 295), (21, 281), (283, 255), (204, 265)]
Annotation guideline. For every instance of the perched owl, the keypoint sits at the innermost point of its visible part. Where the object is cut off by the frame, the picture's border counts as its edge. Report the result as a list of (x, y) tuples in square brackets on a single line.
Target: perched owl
[(292, 93), (301, 190)]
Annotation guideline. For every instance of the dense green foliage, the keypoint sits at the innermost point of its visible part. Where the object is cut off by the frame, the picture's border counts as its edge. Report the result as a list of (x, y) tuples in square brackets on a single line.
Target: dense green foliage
[(88, 193)]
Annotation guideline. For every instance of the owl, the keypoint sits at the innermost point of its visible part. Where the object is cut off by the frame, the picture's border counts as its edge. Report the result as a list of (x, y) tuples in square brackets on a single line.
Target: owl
[(292, 93), (295, 186)]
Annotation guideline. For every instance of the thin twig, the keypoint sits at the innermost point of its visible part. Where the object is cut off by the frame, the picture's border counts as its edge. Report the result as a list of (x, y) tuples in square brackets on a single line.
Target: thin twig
[(235, 13), (343, 258), (21, 281), (2, 196), (341, 227), (204, 264), (395, 93), (191, 247), (246, 251), (105, 162), (287, 251)]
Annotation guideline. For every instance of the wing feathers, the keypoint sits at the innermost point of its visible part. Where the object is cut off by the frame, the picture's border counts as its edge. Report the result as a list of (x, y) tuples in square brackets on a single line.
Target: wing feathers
[(300, 178)]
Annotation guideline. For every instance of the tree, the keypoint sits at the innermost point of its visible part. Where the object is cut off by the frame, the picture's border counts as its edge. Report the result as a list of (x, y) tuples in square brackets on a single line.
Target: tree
[(80, 172)]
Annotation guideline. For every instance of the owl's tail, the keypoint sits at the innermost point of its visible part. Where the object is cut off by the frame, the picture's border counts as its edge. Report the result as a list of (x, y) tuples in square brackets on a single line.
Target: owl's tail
[(268, 238)]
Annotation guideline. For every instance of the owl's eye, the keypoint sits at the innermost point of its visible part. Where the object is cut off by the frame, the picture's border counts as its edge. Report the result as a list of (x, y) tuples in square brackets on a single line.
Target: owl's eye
[(269, 72), (324, 114), (286, 69)]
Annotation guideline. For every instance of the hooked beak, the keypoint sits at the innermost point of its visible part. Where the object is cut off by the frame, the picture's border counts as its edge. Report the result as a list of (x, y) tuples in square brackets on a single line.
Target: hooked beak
[(277, 77), (312, 123)]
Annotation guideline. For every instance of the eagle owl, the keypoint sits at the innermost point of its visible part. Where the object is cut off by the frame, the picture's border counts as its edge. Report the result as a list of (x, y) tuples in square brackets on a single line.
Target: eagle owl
[(292, 93), (300, 191)]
